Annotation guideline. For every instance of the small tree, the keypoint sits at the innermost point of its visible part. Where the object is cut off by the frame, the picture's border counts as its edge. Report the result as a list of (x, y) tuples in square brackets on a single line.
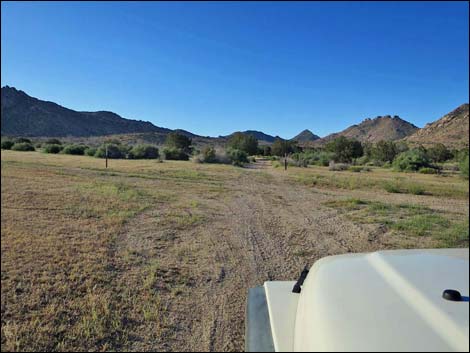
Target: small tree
[(384, 151), (179, 141), (243, 142), (281, 147), (439, 153), (344, 149)]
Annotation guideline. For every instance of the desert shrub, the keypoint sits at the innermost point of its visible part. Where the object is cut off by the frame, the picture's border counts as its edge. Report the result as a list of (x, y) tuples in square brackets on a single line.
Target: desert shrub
[(52, 148), (243, 142), (90, 151), (53, 141), (78, 150), (338, 166), (392, 187), (207, 155), (178, 141), (22, 140), (281, 147), (415, 189), (114, 152), (23, 146), (439, 153), (266, 150), (344, 149), (384, 151), (7, 144), (176, 154), (428, 170), (412, 160), (237, 157), (143, 152), (464, 167), (362, 160)]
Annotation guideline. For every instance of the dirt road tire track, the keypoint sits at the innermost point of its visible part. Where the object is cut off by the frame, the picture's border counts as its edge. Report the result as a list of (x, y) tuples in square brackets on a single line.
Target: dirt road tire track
[(267, 230)]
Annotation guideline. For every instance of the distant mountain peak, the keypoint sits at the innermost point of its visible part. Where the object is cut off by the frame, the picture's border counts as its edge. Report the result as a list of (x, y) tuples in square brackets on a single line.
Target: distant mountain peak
[(306, 136), (382, 127)]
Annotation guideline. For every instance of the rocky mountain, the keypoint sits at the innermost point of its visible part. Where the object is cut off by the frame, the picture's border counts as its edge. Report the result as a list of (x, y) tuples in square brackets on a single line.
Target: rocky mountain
[(22, 115), (260, 136), (306, 136), (386, 128), (451, 130)]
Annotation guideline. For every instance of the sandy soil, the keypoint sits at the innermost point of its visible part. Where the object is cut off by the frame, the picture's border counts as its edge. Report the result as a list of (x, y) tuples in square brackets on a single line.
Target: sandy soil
[(269, 230)]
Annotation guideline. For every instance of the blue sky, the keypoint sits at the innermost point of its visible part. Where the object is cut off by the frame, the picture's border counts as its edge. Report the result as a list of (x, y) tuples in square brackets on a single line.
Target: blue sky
[(214, 68)]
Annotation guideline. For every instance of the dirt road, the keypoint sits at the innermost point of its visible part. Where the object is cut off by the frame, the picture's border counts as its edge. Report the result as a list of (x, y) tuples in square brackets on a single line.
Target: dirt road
[(267, 230)]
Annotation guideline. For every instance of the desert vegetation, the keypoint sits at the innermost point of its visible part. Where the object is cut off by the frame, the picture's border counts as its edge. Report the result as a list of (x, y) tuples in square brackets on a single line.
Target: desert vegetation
[(139, 255)]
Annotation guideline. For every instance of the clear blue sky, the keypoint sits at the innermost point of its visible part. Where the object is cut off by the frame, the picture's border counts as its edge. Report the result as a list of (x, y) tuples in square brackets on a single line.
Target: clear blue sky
[(213, 68)]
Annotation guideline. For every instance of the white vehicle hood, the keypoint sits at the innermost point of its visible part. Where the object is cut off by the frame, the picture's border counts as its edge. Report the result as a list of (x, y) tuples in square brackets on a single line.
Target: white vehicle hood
[(385, 301)]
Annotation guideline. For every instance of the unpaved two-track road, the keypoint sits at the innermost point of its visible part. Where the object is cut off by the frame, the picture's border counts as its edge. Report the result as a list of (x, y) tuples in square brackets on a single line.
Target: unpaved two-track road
[(269, 230)]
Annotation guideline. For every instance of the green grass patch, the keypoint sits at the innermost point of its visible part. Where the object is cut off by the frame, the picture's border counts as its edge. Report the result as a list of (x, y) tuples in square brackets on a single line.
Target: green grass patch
[(407, 219)]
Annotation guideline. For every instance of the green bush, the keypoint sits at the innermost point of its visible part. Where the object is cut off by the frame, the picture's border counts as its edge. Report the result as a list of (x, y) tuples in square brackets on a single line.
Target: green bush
[(178, 141), (392, 187), (78, 150), (22, 140), (176, 154), (23, 146), (344, 149), (243, 142), (114, 152), (53, 141), (416, 189), (90, 151), (464, 167), (428, 170), (7, 144), (144, 152), (52, 148), (237, 157), (411, 161), (439, 153), (207, 155), (281, 147)]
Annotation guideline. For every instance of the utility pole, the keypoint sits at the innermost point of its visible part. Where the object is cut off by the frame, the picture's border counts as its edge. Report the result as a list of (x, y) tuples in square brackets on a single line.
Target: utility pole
[(285, 155), (106, 156)]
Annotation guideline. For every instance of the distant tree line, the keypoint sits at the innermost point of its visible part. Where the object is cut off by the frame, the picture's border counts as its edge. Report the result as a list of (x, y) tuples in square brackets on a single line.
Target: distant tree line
[(240, 147)]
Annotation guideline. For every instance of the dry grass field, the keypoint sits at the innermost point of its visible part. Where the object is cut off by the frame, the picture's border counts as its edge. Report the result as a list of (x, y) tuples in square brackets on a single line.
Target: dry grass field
[(159, 256)]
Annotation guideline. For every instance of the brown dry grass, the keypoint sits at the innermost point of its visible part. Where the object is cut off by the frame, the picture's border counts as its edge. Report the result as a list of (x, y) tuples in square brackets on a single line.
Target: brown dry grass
[(159, 256)]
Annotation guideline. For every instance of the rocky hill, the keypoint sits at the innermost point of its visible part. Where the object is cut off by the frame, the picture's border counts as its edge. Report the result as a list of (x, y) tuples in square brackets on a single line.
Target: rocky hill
[(451, 130), (386, 128), (306, 136), (22, 115), (259, 135)]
